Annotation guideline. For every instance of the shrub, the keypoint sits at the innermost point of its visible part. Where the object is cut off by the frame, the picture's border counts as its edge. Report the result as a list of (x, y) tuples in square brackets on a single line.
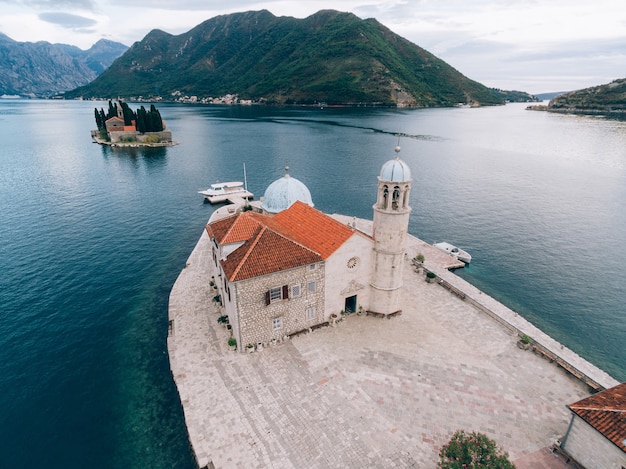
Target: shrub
[(232, 342), (473, 451), (524, 339), (431, 275), (419, 257), (152, 139)]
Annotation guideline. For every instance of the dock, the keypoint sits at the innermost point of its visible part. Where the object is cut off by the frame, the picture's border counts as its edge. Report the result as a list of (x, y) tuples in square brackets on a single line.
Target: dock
[(372, 392)]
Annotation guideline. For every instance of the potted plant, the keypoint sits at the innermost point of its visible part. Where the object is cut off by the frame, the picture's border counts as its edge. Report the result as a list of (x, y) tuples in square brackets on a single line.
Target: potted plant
[(524, 342), (430, 277), (250, 348), (223, 320), (232, 343), (418, 262)]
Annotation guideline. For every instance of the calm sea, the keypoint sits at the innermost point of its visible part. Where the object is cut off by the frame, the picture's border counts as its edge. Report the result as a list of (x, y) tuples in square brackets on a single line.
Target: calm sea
[(93, 238)]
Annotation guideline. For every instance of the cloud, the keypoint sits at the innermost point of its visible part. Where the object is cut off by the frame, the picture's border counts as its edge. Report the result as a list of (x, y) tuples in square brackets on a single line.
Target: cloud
[(67, 20), (54, 4), (192, 5)]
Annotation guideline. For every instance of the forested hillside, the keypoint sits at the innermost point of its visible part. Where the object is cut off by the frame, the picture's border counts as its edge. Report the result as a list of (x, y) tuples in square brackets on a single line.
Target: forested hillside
[(329, 57)]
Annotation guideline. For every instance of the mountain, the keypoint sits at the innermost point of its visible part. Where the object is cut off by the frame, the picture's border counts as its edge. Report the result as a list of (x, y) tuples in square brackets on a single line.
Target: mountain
[(548, 96), (330, 57), (43, 69), (608, 98), (515, 96)]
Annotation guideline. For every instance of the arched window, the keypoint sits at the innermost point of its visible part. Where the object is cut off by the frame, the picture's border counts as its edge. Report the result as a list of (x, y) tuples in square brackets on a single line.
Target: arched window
[(395, 199), (405, 202), (385, 197)]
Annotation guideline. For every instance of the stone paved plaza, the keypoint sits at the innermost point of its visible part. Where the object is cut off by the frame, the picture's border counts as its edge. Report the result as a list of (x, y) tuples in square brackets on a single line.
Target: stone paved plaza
[(368, 392)]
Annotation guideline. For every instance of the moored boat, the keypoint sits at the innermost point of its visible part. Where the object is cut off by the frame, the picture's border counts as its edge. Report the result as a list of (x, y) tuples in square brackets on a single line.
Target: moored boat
[(224, 191), (460, 254)]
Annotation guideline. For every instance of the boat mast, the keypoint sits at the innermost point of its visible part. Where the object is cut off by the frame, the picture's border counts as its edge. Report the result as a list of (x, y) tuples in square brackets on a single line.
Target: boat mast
[(245, 184)]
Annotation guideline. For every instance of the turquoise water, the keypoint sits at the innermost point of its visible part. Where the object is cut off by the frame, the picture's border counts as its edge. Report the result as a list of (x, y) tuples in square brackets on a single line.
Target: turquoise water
[(93, 239)]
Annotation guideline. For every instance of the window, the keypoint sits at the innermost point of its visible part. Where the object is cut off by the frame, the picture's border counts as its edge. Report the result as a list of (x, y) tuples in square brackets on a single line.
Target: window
[(276, 294), (295, 291), (310, 314), (312, 267), (395, 201), (312, 286), (277, 324)]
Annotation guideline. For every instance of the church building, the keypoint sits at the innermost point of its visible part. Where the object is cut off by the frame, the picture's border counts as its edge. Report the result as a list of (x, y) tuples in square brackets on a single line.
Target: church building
[(285, 267)]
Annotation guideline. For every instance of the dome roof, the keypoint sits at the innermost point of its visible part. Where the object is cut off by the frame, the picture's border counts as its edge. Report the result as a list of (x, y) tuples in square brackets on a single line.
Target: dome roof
[(282, 193), (395, 170)]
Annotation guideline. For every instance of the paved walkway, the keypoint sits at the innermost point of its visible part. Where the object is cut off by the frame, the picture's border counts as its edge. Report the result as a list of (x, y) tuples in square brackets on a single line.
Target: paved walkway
[(367, 393)]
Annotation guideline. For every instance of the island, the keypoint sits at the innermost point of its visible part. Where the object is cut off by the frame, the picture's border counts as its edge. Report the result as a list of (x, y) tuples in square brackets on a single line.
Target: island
[(121, 126), (299, 338)]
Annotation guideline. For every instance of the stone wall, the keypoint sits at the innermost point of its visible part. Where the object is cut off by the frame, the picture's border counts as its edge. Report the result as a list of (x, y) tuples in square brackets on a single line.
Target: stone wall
[(253, 320), (349, 272), (590, 448), (164, 136)]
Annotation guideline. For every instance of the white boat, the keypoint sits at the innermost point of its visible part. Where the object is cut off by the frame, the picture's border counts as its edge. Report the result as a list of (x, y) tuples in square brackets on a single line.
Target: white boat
[(224, 191), (460, 254)]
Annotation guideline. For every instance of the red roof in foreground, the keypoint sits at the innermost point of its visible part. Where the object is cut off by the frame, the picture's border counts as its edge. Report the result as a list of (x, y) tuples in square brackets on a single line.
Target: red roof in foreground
[(312, 228), (606, 412), (235, 228), (264, 253), (300, 235)]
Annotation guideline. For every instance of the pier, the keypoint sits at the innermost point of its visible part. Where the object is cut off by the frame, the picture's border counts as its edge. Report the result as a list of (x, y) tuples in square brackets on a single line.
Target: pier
[(373, 392)]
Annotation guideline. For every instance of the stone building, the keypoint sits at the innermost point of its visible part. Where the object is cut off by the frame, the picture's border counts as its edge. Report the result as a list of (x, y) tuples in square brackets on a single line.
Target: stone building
[(596, 437), (286, 267)]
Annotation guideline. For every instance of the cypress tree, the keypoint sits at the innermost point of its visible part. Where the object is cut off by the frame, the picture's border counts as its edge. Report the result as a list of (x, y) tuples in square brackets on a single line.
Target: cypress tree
[(98, 119), (141, 119), (156, 124), (112, 110), (129, 115)]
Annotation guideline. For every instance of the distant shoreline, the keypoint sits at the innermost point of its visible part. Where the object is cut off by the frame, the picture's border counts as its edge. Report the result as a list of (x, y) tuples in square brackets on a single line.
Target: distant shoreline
[(620, 114)]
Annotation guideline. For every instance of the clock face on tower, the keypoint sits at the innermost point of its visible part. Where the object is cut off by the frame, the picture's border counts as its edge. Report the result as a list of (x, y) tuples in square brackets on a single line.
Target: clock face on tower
[(353, 263)]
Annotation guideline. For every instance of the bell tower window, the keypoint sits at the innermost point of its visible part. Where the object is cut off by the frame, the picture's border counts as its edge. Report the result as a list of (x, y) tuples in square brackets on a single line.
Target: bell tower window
[(395, 201), (385, 197)]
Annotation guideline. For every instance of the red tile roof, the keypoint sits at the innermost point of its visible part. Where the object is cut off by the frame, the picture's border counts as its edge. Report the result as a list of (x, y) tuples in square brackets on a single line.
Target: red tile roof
[(235, 228), (313, 229), (606, 412), (300, 235), (264, 253)]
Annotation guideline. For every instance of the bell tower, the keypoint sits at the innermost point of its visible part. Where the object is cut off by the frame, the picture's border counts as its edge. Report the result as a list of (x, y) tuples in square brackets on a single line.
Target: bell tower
[(391, 223)]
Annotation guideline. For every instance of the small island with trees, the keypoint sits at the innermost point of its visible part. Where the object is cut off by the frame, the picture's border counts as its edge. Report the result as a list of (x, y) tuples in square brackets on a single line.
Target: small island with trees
[(121, 126)]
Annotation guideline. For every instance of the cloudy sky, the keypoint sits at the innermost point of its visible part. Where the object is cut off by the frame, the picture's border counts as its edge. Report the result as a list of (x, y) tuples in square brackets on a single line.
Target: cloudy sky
[(530, 45)]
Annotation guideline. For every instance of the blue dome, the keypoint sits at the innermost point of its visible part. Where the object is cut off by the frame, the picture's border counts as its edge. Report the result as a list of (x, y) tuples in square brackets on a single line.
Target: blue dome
[(282, 193), (395, 170)]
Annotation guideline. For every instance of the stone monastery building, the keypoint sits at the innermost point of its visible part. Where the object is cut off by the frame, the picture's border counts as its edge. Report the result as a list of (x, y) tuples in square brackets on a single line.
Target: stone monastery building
[(285, 267)]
